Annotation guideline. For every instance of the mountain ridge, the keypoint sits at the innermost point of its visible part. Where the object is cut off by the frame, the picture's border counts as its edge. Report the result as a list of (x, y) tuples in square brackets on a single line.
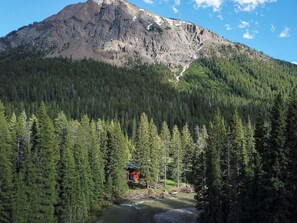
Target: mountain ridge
[(116, 32)]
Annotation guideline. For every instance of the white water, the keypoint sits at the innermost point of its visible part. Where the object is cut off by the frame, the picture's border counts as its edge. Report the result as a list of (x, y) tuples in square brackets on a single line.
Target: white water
[(145, 210), (188, 65)]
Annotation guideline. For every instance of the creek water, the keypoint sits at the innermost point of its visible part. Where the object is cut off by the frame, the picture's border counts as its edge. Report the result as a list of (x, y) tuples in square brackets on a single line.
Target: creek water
[(143, 211)]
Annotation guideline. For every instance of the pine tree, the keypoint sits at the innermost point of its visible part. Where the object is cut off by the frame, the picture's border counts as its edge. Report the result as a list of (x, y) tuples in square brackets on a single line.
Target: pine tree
[(46, 166), (20, 200), (142, 152), (291, 146), (177, 155), (259, 209), (103, 142), (164, 157), (188, 149), (14, 143), (60, 135), (31, 173), (6, 180), (69, 210), (218, 141), (116, 180), (134, 130), (96, 163), (155, 142), (81, 149), (61, 125), (277, 163), (199, 167), (213, 197), (239, 161), (252, 177), (250, 148), (80, 178)]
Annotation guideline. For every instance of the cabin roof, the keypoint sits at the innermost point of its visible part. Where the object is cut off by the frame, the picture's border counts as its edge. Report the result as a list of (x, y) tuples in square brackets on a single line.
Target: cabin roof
[(133, 166)]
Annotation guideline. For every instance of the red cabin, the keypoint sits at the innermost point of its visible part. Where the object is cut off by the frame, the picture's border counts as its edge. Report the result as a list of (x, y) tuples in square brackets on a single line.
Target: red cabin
[(133, 173)]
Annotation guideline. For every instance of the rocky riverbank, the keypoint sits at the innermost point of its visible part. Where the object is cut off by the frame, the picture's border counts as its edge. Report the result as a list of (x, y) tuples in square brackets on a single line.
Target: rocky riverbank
[(152, 193)]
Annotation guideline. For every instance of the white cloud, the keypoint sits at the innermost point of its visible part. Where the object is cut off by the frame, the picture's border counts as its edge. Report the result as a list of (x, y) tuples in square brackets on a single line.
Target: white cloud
[(273, 28), (228, 27), (294, 63), (285, 33), (220, 17), (215, 4), (247, 35), (243, 24), (175, 10), (148, 1), (250, 5), (177, 2)]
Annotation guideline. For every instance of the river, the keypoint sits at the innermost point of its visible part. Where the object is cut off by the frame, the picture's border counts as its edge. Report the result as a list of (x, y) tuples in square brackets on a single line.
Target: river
[(146, 211)]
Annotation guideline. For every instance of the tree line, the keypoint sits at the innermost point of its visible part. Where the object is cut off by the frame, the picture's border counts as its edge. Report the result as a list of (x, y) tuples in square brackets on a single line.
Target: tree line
[(61, 170), (65, 170), (243, 175)]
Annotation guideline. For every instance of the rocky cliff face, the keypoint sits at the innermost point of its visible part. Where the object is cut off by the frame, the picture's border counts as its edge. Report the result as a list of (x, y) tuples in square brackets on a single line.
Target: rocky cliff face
[(115, 31)]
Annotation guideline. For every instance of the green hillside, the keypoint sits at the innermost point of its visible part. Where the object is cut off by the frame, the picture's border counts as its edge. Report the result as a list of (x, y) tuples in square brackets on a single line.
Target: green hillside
[(105, 91), (240, 78)]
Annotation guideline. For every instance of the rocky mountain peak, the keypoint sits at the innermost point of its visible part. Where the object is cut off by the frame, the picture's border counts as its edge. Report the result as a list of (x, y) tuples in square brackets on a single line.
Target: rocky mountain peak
[(116, 31), (108, 1)]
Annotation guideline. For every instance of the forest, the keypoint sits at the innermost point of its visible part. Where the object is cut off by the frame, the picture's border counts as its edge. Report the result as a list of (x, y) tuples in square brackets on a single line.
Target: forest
[(66, 170), (68, 130), (124, 93)]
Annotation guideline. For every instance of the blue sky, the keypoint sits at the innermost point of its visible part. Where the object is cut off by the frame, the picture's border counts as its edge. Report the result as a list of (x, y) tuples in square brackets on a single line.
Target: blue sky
[(266, 25)]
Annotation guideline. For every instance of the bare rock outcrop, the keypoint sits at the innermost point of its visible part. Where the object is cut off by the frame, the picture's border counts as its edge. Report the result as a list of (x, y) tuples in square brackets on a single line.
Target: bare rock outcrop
[(116, 32)]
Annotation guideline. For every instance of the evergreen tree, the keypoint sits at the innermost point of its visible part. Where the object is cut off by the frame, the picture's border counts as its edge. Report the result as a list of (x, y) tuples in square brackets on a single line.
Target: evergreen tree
[(259, 209), (118, 161), (164, 156), (103, 145), (250, 148), (46, 178), (142, 152), (80, 178), (31, 173), (213, 197), (14, 143), (134, 130), (69, 209), (252, 178), (188, 149), (155, 142), (277, 163), (177, 155), (291, 145), (199, 167), (19, 200), (81, 149), (96, 163), (221, 144), (6, 173), (239, 161), (61, 125), (20, 203)]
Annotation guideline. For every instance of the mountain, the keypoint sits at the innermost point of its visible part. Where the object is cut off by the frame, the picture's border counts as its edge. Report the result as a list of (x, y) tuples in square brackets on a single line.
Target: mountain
[(116, 32), (211, 72)]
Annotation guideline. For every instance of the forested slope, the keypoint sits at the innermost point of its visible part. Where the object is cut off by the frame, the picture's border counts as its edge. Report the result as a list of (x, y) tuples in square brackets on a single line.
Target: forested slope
[(240, 78), (106, 91)]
